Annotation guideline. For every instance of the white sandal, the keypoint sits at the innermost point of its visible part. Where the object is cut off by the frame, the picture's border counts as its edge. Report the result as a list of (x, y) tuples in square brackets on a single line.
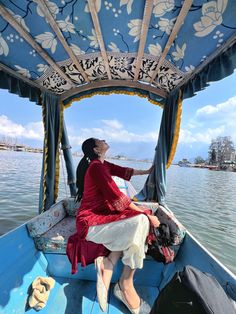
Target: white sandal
[(101, 288), (144, 308)]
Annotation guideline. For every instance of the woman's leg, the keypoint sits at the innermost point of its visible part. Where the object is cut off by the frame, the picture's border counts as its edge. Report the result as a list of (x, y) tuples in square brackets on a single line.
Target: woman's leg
[(127, 236), (127, 286), (107, 268)]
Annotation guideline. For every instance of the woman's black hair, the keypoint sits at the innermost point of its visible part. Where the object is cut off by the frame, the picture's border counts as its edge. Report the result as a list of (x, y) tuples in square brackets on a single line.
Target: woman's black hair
[(89, 155)]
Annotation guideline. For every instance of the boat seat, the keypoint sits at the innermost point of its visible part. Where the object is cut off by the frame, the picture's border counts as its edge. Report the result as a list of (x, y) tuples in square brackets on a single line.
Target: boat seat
[(51, 229)]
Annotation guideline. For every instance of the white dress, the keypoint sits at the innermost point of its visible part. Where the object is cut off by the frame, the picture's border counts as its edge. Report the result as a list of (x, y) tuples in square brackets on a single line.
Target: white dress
[(127, 235)]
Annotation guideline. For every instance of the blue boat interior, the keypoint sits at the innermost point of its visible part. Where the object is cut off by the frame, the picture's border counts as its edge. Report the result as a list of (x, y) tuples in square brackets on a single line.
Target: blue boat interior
[(56, 52), (23, 262)]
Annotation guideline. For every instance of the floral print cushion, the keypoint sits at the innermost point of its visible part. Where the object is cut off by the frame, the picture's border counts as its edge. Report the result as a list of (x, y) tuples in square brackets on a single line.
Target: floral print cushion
[(166, 216), (55, 239), (46, 220)]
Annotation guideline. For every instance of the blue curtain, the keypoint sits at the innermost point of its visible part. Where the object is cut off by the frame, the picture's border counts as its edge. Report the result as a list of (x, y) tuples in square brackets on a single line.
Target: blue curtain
[(155, 186), (65, 145), (52, 119), (21, 88), (220, 67)]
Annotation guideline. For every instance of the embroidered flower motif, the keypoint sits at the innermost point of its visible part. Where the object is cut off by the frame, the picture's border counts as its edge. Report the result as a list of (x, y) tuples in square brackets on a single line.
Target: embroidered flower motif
[(128, 3), (211, 17), (47, 40), (53, 8), (179, 53), (155, 50), (58, 79), (77, 51), (123, 64), (97, 4), (110, 6), (135, 28), (66, 26), (23, 71), (94, 40), (116, 31), (42, 67), (218, 35), (113, 47), (189, 68), (4, 49), (33, 53), (162, 6), (19, 20), (166, 25)]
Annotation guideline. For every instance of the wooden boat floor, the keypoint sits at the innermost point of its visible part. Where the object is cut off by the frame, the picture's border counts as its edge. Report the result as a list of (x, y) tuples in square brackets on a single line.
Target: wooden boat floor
[(73, 296)]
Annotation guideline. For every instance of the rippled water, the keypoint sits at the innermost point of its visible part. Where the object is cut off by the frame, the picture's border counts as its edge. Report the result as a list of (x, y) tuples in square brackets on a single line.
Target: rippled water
[(203, 200)]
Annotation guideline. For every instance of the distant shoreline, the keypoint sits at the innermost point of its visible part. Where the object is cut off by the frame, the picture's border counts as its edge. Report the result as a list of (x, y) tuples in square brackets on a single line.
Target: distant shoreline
[(37, 150)]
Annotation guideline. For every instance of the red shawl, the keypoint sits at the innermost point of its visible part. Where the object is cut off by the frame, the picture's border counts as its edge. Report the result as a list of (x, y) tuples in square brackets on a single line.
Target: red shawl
[(102, 203)]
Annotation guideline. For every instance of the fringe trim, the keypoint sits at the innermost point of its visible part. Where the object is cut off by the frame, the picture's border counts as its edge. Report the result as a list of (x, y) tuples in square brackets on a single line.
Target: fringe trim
[(113, 92), (45, 157), (177, 129), (57, 170)]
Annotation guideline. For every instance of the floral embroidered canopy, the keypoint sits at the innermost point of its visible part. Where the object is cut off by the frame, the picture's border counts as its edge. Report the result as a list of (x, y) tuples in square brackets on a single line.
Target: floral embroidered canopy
[(72, 46)]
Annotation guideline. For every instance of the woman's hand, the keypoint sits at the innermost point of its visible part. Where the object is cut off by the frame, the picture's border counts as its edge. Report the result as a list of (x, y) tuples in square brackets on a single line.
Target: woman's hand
[(154, 221), (150, 169), (141, 172)]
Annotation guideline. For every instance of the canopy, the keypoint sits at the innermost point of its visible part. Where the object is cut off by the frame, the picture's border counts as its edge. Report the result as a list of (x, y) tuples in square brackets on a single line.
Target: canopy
[(70, 47), (164, 50)]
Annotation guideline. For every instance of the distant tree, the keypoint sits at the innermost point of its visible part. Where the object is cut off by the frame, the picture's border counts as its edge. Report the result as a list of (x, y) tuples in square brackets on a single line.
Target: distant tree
[(221, 149), (213, 156), (199, 160)]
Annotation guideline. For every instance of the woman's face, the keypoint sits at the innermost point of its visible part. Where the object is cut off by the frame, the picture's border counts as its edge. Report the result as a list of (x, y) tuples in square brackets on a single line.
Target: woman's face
[(101, 146)]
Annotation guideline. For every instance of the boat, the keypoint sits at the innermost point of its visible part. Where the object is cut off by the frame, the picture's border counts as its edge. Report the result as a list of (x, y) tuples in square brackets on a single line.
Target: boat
[(38, 248), (184, 163), (3, 146), (214, 168), (56, 52), (19, 148)]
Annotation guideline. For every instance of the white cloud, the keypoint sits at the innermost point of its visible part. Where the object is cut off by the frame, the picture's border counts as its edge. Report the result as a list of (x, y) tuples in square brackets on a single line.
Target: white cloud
[(228, 107), (115, 124), (209, 122), (33, 130), (187, 136), (112, 131)]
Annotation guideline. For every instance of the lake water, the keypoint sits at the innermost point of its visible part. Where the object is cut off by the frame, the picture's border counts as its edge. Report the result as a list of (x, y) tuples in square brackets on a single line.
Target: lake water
[(203, 200)]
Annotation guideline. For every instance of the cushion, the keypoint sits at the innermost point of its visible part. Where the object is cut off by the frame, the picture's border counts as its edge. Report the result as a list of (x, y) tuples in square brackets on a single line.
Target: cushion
[(43, 222), (55, 239), (70, 206)]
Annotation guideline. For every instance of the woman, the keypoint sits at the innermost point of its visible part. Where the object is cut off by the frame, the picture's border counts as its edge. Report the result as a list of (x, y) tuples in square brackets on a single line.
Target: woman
[(108, 220)]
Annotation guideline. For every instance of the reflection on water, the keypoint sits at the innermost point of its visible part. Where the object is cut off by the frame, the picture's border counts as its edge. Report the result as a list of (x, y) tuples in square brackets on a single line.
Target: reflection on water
[(203, 200)]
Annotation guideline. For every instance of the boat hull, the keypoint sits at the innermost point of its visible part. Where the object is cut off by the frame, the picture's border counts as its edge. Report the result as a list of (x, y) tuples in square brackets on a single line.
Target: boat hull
[(21, 263)]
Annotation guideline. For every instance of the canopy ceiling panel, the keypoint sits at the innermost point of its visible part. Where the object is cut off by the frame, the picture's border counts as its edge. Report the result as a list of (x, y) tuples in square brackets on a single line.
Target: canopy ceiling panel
[(206, 28), (64, 45)]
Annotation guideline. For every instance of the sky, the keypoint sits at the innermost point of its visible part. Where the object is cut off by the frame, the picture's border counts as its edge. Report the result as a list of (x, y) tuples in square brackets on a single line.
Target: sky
[(129, 124)]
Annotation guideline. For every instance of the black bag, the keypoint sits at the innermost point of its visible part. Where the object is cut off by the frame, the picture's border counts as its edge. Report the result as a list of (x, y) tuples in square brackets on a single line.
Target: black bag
[(192, 292), (160, 245)]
